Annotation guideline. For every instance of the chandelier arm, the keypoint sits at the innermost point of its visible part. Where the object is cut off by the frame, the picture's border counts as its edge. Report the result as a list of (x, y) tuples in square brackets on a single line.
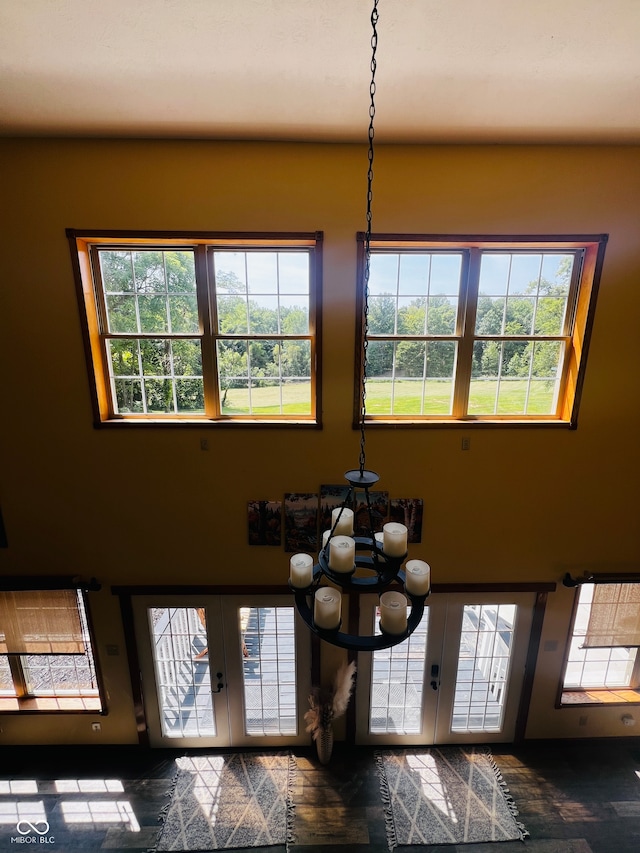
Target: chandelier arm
[(358, 642)]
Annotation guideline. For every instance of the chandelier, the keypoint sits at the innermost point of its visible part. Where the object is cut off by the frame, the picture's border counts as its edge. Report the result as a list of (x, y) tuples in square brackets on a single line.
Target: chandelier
[(372, 562)]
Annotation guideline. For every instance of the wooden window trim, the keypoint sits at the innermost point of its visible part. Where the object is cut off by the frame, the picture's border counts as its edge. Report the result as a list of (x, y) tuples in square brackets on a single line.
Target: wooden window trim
[(587, 278), (84, 243)]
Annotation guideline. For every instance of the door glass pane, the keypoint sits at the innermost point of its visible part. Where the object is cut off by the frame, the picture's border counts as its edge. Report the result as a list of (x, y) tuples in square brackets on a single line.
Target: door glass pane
[(182, 671), (486, 643), (397, 683), (267, 637)]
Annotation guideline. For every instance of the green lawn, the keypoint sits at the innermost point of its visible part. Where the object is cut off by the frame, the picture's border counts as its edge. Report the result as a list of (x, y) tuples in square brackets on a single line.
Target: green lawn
[(407, 399)]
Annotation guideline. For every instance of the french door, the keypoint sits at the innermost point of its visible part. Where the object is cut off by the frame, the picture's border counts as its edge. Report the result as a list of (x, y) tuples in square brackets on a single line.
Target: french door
[(222, 670), (456, 679)]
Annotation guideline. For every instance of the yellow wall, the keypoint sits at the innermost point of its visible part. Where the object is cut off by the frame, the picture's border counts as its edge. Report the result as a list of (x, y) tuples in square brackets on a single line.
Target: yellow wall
[(148, 506)]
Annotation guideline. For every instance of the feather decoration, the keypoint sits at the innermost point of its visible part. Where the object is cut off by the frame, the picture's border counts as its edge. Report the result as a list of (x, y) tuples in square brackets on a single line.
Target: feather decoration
[(325, 706), (342, 687)]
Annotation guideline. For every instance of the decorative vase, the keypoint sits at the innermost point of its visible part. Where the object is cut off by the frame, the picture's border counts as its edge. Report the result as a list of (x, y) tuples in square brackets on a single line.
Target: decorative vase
[(324, 745)]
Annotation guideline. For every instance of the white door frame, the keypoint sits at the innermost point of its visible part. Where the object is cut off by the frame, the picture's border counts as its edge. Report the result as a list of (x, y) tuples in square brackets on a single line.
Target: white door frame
[(443, 643), (225, 655)]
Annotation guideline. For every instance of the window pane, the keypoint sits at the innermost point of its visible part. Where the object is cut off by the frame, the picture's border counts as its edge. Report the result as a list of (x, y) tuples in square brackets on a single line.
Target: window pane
[(121, 313), (263, 315), (63, 675), (595, 668), (6, 681), (441, 315), (293, 270), (294, 315), (494, 274), (397, 683), (383, 273), (445, 274), (382, 315), (181, 660), (410, 377), (414, 274), (515, 377), (183, 314), (154, 315), (160, 362), (269, 670), (490, 315), (483, 667), (117, 272), (233, 318), (230, 272)]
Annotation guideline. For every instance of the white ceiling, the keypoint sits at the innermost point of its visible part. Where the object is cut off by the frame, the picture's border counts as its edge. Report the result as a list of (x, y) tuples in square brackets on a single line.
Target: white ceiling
[(448, 70)]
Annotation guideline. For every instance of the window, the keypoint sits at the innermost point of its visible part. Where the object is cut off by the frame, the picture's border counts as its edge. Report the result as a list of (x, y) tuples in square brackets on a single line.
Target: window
[(478, 329), (46, 658), (221, 328), (599, 674)]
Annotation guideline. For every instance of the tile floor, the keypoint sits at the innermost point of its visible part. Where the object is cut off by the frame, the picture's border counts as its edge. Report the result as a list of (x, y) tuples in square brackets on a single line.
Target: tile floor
[(574, 797)]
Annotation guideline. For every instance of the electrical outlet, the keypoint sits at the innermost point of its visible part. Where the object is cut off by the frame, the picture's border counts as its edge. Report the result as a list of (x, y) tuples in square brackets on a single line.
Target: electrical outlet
[(95, 727), (466, 444), (204, 444)]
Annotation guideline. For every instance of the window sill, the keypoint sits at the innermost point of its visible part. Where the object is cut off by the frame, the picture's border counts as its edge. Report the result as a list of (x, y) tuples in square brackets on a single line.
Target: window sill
[(206, 423), (51, 705), (622, 696), (471, 423)]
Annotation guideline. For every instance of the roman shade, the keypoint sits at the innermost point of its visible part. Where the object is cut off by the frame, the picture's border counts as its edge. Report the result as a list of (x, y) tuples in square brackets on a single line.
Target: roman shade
[(40, 622), (615, 616)]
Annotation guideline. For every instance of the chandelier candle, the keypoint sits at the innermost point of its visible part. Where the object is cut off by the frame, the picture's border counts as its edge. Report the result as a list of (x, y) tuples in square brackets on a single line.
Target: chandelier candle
[(379, 537), (301, 570), (342, 554), (327, 609), (394, 540), (418, 577), (342, 521), (393, 613)]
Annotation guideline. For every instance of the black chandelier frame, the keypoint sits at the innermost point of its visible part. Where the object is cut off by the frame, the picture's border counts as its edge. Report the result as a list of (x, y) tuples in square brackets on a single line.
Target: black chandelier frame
[(384, 570)]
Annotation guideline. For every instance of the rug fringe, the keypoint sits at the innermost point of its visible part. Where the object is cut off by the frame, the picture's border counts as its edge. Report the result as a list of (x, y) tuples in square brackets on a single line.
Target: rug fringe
[(392, 839), (511, 803), (293, 770), (164, 811)]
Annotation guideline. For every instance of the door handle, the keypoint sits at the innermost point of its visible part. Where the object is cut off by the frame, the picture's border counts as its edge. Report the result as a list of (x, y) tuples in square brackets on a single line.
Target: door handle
[(220, 684), (435, 673)]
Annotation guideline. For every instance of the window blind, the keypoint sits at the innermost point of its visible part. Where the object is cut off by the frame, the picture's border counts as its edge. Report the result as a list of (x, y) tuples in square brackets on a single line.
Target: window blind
[(40, 622), (615, 616)]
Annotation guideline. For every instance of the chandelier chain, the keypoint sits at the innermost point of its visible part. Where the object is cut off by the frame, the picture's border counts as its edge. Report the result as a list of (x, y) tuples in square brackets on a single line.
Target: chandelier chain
[(367, 237)]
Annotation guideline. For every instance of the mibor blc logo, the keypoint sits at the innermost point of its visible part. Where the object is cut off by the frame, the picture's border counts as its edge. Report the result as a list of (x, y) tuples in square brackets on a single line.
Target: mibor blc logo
[(32, 832)]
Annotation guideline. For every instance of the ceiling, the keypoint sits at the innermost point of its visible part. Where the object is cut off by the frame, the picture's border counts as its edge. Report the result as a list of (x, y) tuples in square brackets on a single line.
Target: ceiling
[(488, 71)]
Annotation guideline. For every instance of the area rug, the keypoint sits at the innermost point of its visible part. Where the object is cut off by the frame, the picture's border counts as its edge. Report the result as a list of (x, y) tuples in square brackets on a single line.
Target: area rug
[(219, 802), (447, 795)]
